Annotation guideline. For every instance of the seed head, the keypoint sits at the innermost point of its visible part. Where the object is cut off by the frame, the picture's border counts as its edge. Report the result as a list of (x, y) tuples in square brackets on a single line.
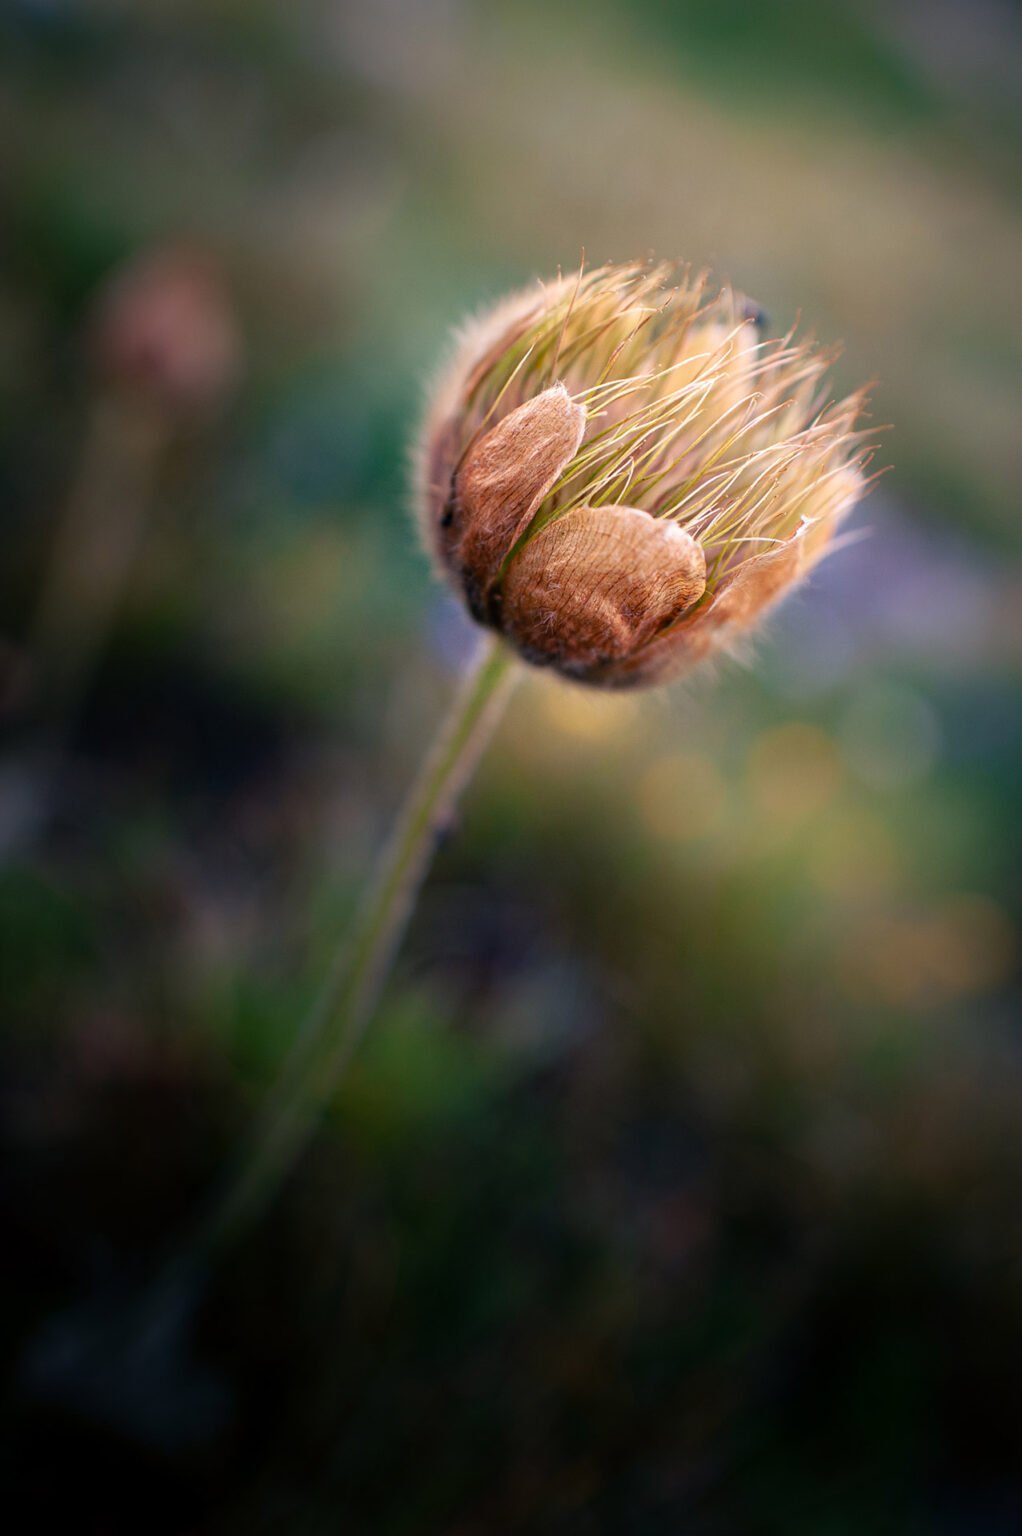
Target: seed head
[(620, 475)]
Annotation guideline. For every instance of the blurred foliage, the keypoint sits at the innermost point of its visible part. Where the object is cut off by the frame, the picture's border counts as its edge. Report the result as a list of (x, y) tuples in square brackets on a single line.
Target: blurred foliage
[(677, 1185)]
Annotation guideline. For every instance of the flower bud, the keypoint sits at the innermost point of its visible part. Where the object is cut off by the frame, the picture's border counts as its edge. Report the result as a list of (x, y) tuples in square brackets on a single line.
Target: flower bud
[(620, 477), (164, 332)]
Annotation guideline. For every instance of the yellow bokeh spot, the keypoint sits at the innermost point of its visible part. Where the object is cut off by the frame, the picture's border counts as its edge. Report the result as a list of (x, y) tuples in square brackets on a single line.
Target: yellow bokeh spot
[(854, 855), (681, 796), (976, 946), (964, 947), (793, 772), (583, 715)]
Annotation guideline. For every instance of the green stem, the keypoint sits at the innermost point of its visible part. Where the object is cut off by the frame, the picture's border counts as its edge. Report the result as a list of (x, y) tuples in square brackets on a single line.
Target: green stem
[(339, 1018)]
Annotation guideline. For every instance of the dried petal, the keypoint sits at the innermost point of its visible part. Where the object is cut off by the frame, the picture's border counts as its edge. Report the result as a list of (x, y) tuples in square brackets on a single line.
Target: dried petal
[(755, 584), (505, 475), (743, 597), (597, 584)]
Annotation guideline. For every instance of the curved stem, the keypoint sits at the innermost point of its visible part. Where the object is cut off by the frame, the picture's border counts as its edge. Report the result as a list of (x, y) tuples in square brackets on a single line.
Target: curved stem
[(340, 1015)]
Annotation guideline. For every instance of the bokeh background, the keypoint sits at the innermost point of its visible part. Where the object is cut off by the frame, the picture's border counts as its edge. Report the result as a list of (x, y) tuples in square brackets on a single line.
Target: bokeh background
[(677, 1187)]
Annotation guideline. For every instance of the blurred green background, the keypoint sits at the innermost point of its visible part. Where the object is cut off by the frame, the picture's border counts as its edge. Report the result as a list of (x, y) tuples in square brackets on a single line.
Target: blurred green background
[(677, 1187)]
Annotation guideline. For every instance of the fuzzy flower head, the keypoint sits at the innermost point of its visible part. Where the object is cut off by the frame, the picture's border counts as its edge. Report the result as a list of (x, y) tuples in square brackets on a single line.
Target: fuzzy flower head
[(620, 475)]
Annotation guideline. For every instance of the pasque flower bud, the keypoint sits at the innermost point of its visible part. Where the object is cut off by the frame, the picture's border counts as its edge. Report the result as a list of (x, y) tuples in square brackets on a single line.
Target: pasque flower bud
[(620, 475)]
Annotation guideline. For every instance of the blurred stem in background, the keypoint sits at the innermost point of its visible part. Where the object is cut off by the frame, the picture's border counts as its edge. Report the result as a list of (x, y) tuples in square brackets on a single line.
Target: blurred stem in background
[(98, 534), (94, 548), (340, 1015), (164, 353)]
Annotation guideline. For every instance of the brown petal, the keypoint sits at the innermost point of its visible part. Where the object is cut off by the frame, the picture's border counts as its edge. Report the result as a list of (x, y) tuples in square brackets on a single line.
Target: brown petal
[(756, 584), (597, 584), (504, 477), (478, 347), (742, 598)]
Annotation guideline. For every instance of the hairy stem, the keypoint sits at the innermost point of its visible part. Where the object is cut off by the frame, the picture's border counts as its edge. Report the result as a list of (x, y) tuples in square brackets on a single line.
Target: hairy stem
[(339, 1017)]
